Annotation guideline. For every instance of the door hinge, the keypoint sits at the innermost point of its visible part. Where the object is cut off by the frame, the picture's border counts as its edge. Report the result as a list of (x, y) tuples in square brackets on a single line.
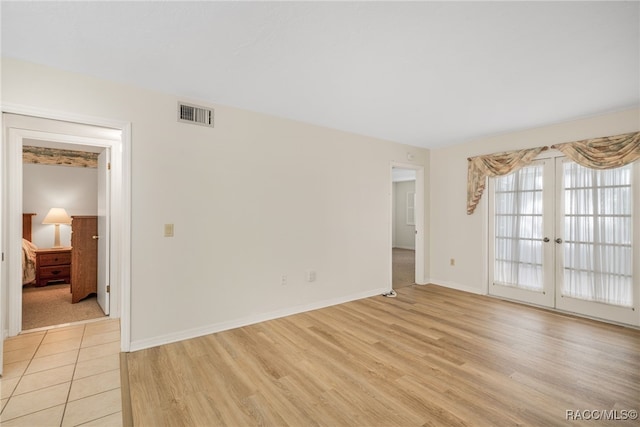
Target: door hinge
[(108, 166), (108, 288), (3, 256)]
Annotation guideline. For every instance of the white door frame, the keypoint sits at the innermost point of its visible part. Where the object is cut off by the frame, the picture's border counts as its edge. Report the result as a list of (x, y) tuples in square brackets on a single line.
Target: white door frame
[(420, 278), (120, 201)]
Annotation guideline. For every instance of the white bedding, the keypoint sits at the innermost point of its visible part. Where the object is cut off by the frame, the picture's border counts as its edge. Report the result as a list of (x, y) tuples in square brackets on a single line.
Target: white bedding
[(28, 262)]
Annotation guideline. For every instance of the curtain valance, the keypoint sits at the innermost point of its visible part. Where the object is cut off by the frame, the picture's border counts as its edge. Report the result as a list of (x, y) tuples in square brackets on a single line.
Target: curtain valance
[(603, 153), (481, 167), (598, 153)]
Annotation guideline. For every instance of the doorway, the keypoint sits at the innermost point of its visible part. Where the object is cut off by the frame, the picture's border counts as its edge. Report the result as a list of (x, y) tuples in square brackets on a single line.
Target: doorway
[(561, 236), (24, 130), (66, 178), (404, 227), (407, 210)]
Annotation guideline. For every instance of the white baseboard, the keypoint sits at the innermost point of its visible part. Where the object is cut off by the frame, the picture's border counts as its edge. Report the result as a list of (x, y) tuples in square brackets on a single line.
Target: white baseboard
[(249, 320), (457, 286)]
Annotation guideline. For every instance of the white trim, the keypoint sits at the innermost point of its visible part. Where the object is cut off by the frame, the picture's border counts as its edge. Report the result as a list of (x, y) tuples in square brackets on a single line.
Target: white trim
[(124, 262), (67, 139), (120, 203), (14, 210), (457, 286), (249, 320), (63, 116), (4, 332)]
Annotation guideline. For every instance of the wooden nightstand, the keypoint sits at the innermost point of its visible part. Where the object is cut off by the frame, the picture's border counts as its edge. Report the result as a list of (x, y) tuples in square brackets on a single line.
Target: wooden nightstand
[(53, 264)]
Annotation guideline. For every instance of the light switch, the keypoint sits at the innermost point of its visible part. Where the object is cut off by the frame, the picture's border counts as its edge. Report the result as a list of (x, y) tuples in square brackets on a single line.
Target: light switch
[(168, 230)]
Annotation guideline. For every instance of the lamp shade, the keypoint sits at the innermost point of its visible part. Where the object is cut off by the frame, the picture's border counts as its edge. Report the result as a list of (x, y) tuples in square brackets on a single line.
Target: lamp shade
[(57, 216)]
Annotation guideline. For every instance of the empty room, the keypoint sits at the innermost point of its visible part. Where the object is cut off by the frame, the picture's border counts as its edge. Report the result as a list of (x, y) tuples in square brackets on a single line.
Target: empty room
[(321, 213)]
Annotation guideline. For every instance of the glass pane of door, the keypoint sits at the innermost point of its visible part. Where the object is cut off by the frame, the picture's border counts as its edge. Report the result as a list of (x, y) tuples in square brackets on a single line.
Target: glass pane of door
[(518, 229), (597, 234), (522, 262)]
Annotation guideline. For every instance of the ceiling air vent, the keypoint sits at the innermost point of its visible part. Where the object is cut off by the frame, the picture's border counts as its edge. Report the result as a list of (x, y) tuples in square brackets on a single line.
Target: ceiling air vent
[(195, 114)]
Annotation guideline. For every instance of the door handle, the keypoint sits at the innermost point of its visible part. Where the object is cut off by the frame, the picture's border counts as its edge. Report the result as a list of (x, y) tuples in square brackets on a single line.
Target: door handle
[(558, 240), (546, 240), (95, 237)]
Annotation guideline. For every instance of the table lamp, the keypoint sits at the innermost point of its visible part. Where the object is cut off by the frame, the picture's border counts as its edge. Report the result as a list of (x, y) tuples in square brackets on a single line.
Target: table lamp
[(57, 216)]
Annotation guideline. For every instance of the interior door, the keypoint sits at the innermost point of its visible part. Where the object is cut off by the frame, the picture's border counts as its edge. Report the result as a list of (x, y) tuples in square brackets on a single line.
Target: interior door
[(103, 230), (84, 254)]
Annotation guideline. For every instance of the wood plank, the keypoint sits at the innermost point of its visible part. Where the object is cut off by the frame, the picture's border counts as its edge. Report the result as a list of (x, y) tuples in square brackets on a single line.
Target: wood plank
[(431, 357)]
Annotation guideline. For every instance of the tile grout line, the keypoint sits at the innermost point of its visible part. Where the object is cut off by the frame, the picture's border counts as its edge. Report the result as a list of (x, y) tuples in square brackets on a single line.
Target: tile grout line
[(86, 335), (22, 375), (75, 366), (31, 413), (94, 394), (99, 418)]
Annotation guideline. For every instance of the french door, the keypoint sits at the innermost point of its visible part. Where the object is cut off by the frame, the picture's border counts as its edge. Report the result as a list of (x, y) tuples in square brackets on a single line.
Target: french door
[(562, 236)]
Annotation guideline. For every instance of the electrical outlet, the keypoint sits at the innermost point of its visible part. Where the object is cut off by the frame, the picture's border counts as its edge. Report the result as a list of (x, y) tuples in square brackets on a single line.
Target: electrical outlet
[(452, 261), (311, 275), (283, 280)]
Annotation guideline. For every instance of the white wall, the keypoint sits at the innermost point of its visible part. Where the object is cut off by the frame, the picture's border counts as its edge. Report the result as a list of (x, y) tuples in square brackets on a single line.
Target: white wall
[(404, 235), (454, 234), (253, 199), (48, 186)]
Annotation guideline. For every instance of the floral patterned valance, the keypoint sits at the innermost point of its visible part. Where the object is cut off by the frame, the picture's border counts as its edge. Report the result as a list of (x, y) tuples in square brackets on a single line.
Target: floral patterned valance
[(603, 153), (598, 153), (481, 167)]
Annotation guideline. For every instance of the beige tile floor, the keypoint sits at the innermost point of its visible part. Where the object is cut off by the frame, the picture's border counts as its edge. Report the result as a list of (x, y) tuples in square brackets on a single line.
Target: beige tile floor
[(63, 377)]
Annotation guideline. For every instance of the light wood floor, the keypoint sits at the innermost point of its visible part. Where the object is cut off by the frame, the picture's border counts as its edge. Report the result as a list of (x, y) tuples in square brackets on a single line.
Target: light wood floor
[(432, 356)]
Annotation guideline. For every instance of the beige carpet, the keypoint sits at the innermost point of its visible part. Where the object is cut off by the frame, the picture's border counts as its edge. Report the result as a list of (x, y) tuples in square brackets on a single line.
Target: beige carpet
[(404, 268), (51, 305)]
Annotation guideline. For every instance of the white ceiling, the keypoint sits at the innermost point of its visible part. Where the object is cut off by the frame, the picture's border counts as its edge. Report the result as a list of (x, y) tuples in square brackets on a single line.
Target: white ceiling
[(423, 73)]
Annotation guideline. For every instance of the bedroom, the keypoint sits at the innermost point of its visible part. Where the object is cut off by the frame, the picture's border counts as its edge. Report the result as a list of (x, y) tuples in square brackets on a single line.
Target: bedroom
[(56, 178)]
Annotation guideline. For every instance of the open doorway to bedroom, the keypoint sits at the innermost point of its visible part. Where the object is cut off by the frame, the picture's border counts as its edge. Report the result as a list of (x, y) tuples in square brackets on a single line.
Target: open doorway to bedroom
[(403, 230), (60, 181), (74, 250)]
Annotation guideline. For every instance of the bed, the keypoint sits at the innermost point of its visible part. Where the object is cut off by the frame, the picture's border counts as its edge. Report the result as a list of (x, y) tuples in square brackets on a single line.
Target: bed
[(28, 251)]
